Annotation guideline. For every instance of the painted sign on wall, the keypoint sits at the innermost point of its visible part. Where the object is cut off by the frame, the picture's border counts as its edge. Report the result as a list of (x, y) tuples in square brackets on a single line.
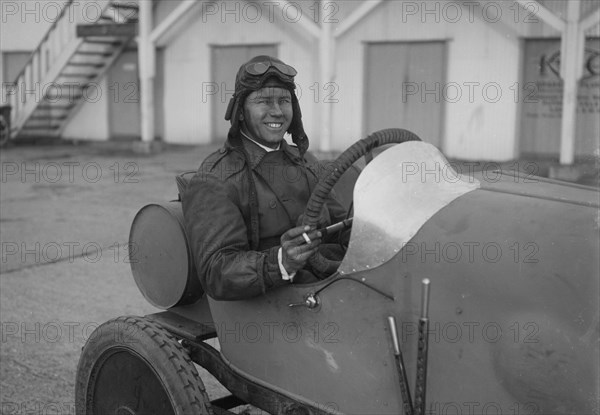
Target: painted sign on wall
[(542, 99)]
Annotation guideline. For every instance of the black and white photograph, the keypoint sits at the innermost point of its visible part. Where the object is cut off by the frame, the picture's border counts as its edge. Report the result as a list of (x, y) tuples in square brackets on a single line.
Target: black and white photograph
[(310, 207)]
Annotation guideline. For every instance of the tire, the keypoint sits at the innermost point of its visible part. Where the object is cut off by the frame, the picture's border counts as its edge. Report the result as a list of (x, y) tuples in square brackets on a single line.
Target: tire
[(131, 365)]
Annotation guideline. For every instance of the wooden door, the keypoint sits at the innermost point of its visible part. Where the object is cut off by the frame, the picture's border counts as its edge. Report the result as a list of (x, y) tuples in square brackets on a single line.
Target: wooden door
[(403, 88), (124, 97)]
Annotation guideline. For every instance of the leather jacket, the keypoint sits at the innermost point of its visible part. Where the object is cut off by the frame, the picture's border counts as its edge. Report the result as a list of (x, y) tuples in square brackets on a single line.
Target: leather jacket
[(237, 206)]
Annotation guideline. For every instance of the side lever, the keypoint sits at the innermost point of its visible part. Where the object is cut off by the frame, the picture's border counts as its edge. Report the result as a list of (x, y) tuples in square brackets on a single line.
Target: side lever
[(310, 301), (403, 378), (418, 408)]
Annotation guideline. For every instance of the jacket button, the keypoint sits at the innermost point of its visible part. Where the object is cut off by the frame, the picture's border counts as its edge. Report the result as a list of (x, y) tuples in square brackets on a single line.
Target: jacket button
[(273, 204)]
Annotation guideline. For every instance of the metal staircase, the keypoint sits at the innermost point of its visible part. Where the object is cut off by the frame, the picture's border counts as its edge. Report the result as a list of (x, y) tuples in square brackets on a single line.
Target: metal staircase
[(63, 71)]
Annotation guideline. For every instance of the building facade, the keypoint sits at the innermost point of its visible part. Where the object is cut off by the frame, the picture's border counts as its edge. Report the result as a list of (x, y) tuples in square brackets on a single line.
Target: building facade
[(479, 79)]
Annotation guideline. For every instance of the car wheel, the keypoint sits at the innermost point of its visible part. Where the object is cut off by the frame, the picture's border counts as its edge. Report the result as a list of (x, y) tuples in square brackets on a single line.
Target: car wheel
[(131, 365)]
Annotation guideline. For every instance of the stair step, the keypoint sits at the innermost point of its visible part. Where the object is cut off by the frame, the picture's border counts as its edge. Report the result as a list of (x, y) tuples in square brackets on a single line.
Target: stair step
[(109, 46), (49, 113), (106, 18), (93, 53), (40, 127), (64, 107), (103, 42), (44, 137), (47, 118), (77, 75), (74, 88), (86, 64), (64, 88), (70, 98), (107, 30), (125, 6)]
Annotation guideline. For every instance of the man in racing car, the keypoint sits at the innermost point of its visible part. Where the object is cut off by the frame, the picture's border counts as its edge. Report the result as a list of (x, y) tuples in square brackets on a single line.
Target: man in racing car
[(243, 206)]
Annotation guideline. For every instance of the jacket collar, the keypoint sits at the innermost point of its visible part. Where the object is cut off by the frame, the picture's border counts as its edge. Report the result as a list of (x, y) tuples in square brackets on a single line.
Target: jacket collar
[(239, 144)]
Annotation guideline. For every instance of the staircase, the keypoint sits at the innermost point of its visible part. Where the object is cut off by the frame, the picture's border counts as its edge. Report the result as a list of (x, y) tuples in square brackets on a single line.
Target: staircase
[(64, 70)]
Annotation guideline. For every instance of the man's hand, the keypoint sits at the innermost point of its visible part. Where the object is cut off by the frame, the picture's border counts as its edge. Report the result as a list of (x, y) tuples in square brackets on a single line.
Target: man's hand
[(296, 250)]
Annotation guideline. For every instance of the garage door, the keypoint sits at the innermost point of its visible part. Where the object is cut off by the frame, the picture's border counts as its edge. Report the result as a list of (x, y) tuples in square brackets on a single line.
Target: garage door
[(398, 77)]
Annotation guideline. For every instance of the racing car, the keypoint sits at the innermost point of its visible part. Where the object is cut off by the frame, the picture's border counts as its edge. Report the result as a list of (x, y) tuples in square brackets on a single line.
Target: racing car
[(460, 292)]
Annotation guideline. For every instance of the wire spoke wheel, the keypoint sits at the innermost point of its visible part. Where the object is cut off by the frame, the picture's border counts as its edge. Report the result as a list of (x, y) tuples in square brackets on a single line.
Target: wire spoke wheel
[(131, 365)]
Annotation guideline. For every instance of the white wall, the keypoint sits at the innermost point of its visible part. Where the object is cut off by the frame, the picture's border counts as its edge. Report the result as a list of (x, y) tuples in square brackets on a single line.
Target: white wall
[(482, 50), (187, 67), (483, 127), (24, 23), (22, 26), (482, 74), (483, 65)]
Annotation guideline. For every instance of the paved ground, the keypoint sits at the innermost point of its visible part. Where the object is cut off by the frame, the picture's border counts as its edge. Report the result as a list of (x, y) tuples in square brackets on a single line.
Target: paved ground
[(65, 213)]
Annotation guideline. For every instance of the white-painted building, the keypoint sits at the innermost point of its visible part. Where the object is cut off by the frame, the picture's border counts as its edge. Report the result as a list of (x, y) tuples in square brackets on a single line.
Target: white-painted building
[(480, 79)]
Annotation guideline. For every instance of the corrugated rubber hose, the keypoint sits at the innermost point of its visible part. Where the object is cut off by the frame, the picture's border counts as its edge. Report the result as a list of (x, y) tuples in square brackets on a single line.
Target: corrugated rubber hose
[(341, 164)]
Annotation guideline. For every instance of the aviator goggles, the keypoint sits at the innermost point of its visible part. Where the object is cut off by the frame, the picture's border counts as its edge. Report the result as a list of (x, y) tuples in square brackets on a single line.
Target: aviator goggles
[(260, 68)]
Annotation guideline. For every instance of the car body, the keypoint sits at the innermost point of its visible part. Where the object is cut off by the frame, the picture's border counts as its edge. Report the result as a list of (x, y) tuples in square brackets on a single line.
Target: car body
[(513, 316)]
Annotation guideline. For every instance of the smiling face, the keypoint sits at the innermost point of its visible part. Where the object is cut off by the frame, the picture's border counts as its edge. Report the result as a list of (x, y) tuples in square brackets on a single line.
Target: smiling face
[(267, 115)]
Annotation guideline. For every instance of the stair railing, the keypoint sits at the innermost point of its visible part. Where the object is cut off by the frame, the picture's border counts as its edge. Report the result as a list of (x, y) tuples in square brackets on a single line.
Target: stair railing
[(48, 59)]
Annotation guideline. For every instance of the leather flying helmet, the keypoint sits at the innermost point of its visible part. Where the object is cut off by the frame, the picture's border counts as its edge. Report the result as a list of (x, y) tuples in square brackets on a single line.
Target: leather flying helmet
[(255, 74)]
